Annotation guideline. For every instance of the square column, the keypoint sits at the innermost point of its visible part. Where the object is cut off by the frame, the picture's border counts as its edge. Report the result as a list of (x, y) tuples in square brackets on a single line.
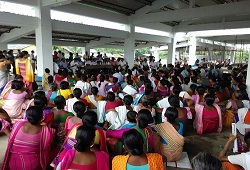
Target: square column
[(3, 46), (44, 41), (171, 51), (155, 53), (192, 50), (129, 47), (248, 76)]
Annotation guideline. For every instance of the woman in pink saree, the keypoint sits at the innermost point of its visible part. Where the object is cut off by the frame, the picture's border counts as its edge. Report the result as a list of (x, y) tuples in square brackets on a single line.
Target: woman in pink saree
[(29, 144), (208, 117), (81, 157)]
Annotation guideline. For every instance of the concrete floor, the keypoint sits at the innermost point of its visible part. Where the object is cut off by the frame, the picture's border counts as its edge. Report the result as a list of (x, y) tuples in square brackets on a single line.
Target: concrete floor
[(193, 143)]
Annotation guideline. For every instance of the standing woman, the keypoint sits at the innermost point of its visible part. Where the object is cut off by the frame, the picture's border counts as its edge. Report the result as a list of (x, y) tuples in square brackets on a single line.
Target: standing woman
[(3, 75), (101, 85), (29, 144), (24, 68)]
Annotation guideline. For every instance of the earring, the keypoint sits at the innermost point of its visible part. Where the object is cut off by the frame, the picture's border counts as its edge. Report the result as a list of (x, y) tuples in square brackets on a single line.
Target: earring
[(92, 145)]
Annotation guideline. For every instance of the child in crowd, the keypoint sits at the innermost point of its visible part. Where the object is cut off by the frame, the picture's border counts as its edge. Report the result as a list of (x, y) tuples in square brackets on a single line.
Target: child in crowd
[(45, 82)]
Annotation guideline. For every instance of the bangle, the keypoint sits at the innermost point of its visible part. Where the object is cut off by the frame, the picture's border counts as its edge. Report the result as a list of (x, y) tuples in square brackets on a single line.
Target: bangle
[(224, 150)]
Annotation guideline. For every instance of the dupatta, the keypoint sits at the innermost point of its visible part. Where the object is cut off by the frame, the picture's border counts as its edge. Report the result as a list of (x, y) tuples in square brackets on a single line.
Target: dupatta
[(29, 77), (47, 136)]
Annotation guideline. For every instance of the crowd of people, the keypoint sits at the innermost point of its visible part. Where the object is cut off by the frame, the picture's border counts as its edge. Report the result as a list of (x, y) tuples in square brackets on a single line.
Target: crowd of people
[(134, 118)]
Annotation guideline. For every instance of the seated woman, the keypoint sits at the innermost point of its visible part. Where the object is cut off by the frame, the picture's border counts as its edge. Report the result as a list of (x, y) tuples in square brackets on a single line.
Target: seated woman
[(198, 97), (144, 120), (64, 90), (136, 158), (30, 143), (59, 77), (17, 100), (84, 85), (206, 161), (81, 157), (146, 103), (60, 116), (162, 88), (79, 109), (238, 161), (171, 145), (76, 97), (110, 111), (208, 117), (52, 93), (93, 99), (5, 122)]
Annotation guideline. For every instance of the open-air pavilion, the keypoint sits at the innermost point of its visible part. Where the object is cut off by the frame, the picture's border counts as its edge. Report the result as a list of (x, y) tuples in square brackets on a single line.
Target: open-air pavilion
[(127, 24)]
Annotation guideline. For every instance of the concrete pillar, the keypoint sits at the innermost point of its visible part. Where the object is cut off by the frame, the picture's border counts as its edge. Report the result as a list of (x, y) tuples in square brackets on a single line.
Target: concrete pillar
[(3, 46), (155, 53), (233, 55), (211, 53), (44, 41), (248, 75), (223, 53), (171, 51), (129, 47), (192, 50)]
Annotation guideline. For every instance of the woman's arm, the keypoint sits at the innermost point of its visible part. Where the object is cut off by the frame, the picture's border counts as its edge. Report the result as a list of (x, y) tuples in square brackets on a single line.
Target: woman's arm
[(222, 154)]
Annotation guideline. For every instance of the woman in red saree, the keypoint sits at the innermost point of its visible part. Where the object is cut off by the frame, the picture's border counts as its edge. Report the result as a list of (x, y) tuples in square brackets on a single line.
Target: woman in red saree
[(29, 144)]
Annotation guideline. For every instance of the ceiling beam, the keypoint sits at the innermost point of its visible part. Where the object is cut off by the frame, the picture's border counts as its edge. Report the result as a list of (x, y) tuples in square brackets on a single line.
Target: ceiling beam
[(157, 26), (53, 3), (155, 38), (16, 34), (102, 42), (231, 38), (24, 2), (87, 29), (213, 26), (230, 9), (18, 20)]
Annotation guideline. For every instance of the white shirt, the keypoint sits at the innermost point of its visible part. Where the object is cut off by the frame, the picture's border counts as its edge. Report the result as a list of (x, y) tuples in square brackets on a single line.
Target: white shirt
[(55, 67), (88, 62), (69, 105), (123, 63), (119, 76), (242, 159)]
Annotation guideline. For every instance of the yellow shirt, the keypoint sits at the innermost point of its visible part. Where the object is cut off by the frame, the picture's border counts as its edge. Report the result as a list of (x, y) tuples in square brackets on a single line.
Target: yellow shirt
[(90, 104), (65, 93)]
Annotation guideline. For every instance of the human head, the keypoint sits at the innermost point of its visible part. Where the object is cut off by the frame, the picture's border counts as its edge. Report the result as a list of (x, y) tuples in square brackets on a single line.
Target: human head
[(247, 139), (40, 101), (89, 118), (209, 99), (128, 100), (47, 70), (186, 80), (192, 88), (94, 90), (23, 54), (39, 94), (60, 102), (171, 114), (206, 161), (84, 78), (17, 85), (84, 138), (77, 93), (115, 80), (64, 85), (111, 96), (144, 118), (174, 101), (80, 108), (237, 95), (131, 116), (133, 142), (50, 79), (34, 115), (53, 86), (18, 77), (200, 90)]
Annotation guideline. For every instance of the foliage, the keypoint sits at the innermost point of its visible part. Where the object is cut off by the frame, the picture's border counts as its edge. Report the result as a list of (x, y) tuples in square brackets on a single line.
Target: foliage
[(241, 56)]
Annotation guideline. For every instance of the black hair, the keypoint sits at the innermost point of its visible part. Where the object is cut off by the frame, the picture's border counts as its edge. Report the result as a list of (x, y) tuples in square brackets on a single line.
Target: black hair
[(211, 91), (171, 114), (39, 94), (131, 116), (18, 77), (128, 99), (84, 137), (200, 90), (47, 70), (17, 85), (89, 118), (142, 78), (84, 78), (50, 79), (115, 79), (77, 93), (22, 54), (53, 86), (193, 87), (247, 139), (174, 101), (133, 142), (102, 78), (145, 101), (209, 99), (80, 108), (64, 85), (129, 82), (94, 90), (163, 82), (144, 118), (111, 96), (206, 161), (177, 90), (186, 80), (60, 102), (242, 86), (148, 90), (40, 101), (1, 125), (34, 115)]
